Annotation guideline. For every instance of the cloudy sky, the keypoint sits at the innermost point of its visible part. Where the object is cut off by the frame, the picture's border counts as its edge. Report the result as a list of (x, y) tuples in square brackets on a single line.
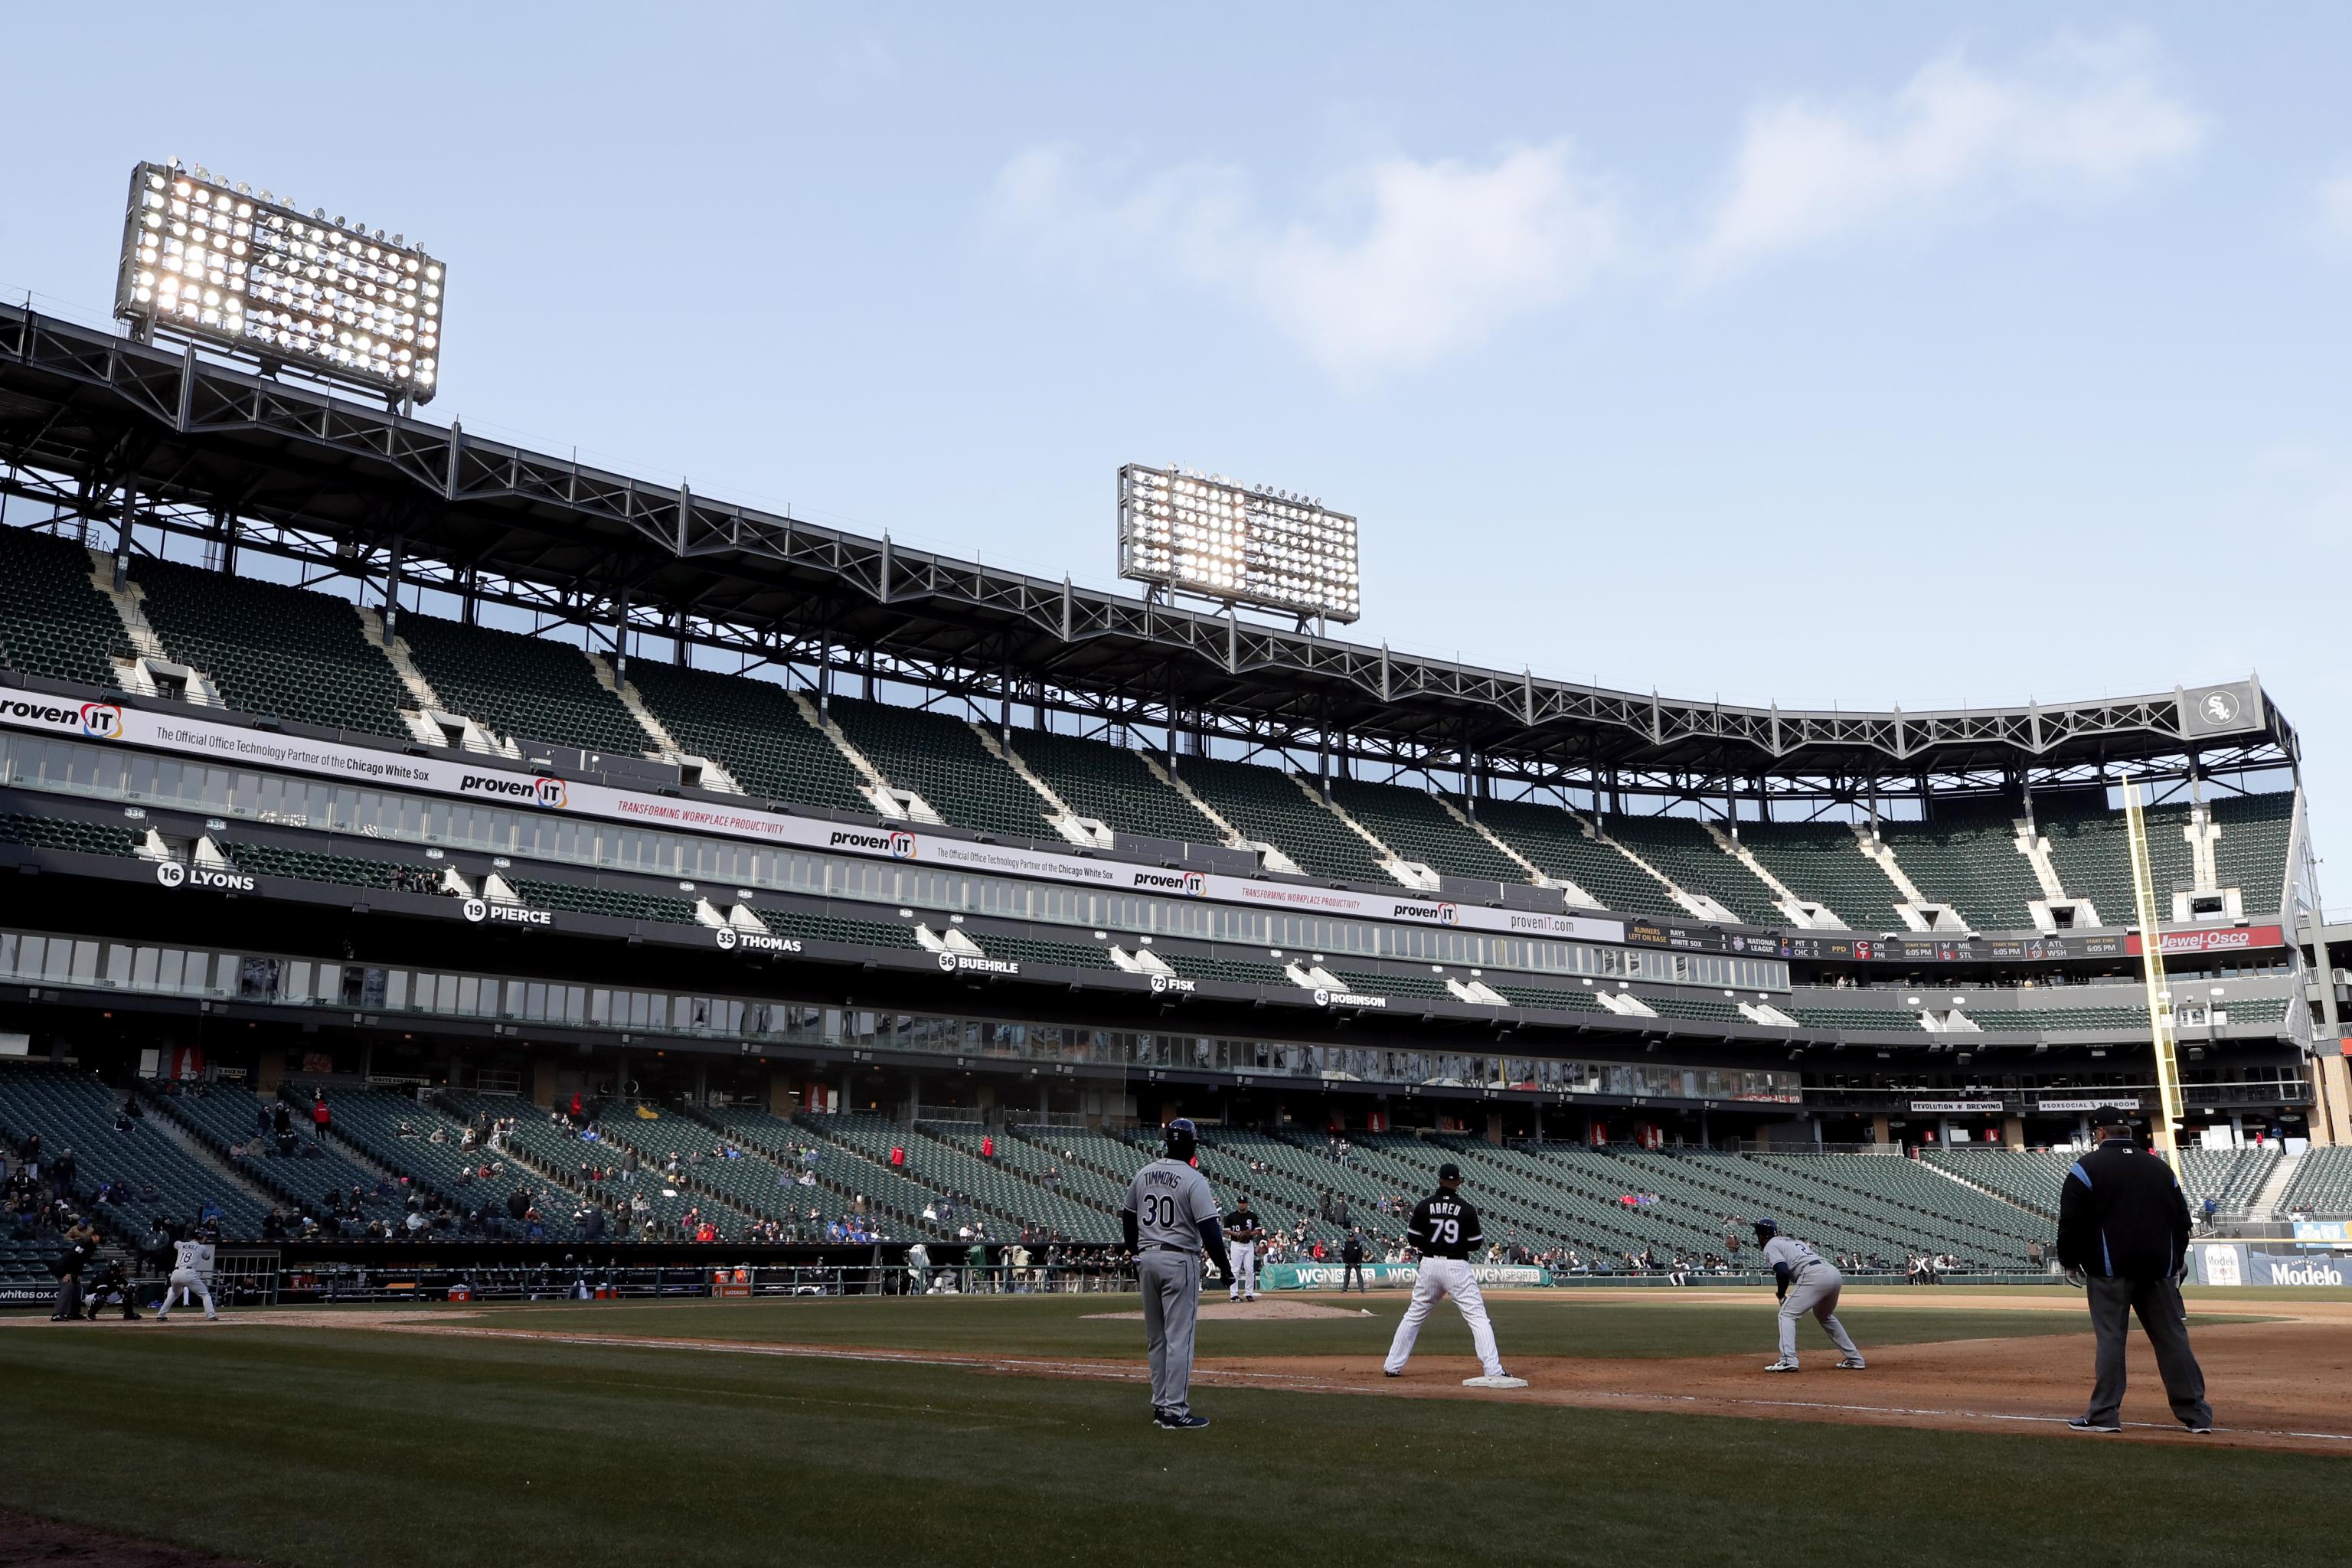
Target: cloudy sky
[(1929, 356)]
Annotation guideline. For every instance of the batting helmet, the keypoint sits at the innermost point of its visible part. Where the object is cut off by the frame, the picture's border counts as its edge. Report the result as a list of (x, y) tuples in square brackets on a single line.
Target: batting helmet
[(1183, 1139), (1766, 1227)]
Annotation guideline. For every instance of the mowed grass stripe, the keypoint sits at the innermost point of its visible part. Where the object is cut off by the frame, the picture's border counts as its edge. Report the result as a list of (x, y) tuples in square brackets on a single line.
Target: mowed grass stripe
[(329, 1447)]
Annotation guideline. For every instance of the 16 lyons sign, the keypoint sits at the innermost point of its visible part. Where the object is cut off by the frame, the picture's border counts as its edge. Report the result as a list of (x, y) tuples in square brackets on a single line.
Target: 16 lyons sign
[(1387, 1276)]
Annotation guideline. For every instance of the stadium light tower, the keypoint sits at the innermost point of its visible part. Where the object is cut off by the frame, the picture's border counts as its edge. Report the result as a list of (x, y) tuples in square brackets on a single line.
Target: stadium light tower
[(212, 262), (1202, 534)]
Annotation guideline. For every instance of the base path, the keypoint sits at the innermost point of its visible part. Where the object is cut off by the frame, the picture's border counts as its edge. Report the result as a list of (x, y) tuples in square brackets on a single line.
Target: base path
[(2275, 1385)]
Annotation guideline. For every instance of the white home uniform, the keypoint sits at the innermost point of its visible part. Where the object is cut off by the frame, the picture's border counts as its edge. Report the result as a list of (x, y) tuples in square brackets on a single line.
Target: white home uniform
[(1242, 1235), (1813, 1285), (191, 1270), (1446, 1229)]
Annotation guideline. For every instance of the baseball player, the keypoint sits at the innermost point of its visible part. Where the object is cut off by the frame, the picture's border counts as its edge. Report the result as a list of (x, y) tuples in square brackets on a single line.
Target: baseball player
[(1169, 1219), (1808, 1282), (191, 1270), (1242, 1233), (1445, 1229)]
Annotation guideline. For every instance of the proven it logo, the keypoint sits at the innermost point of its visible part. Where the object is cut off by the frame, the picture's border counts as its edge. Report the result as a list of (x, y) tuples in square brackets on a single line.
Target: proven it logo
[(1435, 914), (1192, 884), (898, 844), (541, 791), (101, 720)]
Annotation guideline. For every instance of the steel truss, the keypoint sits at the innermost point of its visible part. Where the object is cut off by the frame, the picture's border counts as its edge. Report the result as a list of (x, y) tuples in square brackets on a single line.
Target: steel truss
[(104, 430)]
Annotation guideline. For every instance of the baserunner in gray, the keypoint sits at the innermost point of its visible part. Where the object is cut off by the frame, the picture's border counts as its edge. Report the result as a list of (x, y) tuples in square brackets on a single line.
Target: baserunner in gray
[(1808, 1283), (1171, 1219)]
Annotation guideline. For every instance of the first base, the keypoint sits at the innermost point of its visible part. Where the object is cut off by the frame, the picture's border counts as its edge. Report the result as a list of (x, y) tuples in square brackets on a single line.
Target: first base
[(1494, 1383)]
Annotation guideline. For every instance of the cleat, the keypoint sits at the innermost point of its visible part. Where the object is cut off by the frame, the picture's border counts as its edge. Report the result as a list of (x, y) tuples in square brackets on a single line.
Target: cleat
[(1170, 1421), (1853, 1363), (1499, 1380), (1386, 1373), (2200, 1431), (2085, 1424), (1783, 1366)]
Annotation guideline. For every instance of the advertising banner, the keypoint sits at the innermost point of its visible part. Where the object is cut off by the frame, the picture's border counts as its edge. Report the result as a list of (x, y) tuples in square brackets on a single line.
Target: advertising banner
[(1955, 1106), (495, 782), (2324, 1232), (2236, 1263), (1388, 1276), (2088, 1103)]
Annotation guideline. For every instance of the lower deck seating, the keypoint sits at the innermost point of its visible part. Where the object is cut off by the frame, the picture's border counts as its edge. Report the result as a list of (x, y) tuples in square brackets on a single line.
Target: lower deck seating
[(2322, 1183), (308, 1177), (152, 1175)]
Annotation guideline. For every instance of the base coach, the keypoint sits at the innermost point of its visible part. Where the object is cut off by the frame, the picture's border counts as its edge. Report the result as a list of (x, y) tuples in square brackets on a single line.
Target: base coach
[(2123, 1225)]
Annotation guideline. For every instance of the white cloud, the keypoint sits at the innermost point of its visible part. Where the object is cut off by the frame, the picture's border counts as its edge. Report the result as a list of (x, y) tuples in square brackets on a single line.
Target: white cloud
[(1401, 264), (2078, 119)]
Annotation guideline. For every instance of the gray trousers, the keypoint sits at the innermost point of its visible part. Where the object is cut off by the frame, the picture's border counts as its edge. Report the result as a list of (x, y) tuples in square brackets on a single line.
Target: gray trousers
[(1816, 1291), (1171, 1303), (2165, 1322)]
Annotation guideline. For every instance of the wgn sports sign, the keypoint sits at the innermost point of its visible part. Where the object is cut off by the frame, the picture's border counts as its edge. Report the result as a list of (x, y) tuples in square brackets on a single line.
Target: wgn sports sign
[(1388, 1276)]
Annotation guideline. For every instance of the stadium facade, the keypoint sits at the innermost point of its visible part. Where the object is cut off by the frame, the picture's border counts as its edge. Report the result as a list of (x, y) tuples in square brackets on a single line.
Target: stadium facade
[(955, 851)]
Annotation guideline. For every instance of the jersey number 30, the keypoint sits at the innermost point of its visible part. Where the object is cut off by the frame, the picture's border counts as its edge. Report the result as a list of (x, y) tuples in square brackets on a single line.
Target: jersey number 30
[(1159, 1212)]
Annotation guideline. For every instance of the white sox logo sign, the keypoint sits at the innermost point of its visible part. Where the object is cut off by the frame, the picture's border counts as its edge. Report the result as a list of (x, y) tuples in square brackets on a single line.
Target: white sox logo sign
[(2220, 707)]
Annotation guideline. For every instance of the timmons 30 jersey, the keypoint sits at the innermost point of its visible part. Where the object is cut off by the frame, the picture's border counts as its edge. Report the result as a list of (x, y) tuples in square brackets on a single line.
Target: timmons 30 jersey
[(1793, 1252)]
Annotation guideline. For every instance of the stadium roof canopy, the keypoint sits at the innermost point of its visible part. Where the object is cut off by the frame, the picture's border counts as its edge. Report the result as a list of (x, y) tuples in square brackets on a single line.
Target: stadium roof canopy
[(88, 416)]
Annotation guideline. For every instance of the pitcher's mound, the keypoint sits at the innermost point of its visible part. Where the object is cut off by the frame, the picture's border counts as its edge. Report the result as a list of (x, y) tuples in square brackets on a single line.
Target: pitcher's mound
[(1251, 1311)]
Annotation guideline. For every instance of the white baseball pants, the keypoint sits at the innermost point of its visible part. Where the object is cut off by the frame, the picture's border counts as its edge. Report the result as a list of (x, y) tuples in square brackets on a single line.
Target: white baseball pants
[(182, 1280), (1437, 1278), (1245, 1257)]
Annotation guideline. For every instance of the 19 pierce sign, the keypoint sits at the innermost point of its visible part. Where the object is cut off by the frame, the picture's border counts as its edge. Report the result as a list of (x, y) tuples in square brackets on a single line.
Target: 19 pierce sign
[(1199, 534), (212, 261)]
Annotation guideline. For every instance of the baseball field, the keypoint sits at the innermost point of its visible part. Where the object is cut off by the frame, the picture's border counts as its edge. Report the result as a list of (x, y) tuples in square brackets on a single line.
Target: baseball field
[(1014, 1429)]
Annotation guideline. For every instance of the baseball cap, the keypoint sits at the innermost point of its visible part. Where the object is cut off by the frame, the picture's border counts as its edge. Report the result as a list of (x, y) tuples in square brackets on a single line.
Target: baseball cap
[(1449, 1171)]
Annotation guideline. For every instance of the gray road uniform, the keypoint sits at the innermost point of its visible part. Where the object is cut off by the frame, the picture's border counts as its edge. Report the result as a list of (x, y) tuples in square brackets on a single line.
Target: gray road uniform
[(1813, 1283), (1175, 1215), (191, 1270)]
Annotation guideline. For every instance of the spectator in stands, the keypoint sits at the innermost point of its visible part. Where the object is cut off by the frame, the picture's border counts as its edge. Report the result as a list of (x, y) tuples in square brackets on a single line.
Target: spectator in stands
[(320, 1115), (273, 1225), (61, 1173)]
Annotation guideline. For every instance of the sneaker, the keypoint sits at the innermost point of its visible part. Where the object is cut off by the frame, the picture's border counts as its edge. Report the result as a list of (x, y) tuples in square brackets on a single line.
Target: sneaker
[(2201, 1431), (1784, 1364), (1853, 1363), (2085, 1424), (1170, 1421)]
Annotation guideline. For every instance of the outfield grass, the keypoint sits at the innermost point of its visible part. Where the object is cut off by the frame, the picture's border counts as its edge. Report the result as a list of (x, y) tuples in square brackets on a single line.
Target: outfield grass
[(310, 1446), (1073, 1325)]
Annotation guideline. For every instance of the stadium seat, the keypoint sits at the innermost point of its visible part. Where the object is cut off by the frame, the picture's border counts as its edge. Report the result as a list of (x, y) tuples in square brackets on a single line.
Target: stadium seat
[(163, 1178), (54, 622), (521, 687), (1822, 863), (1269, 807), (1413, 823), (941, 759), (274, 649), (1683, 851), (1967, 857), (1554, 839), (754, 730), (1112, 785)]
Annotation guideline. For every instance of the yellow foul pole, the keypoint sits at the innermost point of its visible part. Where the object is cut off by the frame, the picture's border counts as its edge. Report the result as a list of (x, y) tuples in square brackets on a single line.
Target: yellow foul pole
[(2170, 1108)]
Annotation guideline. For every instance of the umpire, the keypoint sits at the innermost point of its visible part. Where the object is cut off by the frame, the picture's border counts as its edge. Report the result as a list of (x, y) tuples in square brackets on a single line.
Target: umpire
[(2123, 1222)]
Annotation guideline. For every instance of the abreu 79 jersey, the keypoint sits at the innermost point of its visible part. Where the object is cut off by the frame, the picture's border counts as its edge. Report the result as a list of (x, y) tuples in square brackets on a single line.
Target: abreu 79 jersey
[(1445, 1227)]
